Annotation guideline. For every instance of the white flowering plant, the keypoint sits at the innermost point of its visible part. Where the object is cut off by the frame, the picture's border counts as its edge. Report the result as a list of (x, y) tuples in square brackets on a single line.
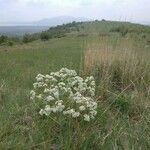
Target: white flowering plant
[(66, 93)]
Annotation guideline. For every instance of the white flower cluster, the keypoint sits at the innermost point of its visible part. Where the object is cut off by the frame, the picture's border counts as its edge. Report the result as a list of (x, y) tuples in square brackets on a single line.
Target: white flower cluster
[(65, 92)]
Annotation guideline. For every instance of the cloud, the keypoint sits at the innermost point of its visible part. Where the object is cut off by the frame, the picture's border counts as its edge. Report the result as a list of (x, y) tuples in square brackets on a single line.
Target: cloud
[(30, 10)]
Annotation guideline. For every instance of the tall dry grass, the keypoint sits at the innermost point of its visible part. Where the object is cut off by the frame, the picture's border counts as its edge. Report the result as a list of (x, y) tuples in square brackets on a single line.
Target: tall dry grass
[(123, 66)]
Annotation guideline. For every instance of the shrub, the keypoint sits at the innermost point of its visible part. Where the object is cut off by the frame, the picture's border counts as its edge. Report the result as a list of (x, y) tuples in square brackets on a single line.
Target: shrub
[(44, 36), (103, 20), (10, 43), (59, 34), (121, 29), (3, 39), (65, 93), (27, 38)]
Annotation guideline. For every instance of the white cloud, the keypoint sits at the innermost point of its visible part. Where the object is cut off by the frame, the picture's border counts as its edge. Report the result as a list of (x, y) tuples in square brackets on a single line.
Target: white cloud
[(24, 10)]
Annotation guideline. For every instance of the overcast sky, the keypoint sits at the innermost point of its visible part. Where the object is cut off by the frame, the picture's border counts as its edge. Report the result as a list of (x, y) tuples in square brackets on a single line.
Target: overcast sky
[(33, 10)]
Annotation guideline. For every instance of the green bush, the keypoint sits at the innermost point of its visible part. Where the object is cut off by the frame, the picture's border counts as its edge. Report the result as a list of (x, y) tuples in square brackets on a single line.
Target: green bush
[(28, 38), (44, 36), (3, 39), (10, 43), (121, 29), (59, 34)]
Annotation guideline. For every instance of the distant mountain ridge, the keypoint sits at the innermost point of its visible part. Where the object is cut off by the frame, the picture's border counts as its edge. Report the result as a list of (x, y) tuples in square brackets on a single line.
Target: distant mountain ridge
[(58, 21), (46, 22)]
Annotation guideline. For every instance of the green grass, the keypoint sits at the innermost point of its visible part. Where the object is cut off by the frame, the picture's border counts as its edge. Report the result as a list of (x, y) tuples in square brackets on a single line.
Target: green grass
[(19, 65), (123, 115)]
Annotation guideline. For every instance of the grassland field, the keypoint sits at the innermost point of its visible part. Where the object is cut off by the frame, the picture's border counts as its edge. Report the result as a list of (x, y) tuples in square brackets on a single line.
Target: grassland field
[(121, 67)]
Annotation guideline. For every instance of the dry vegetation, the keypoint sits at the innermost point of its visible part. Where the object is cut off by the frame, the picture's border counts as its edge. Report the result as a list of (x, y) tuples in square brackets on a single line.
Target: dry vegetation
[(120, 69), (125, 60)]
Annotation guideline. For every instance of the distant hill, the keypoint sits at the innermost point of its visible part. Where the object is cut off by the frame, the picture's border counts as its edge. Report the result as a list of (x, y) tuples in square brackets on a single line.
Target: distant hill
[(46, 22), (21, 28), (58, 28), (58, 21)]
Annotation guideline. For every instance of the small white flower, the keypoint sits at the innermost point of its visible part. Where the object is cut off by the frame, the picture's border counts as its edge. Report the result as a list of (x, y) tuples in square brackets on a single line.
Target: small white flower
[(54, 110), (39, 79), (82, 108), (61, 84), (47, 80), (93, 112), (92, 92), (40, 84), (32, 95), (42, 112), (71, 111), (48, 76), (56, 94), (45, 85), (46, 90), (93, 83), (49, 98), (75, 114), (47, 108), (60, 107), (39, 96), (86, 117), (65, 112), (54, 80), (59, 102), (35, 85), (91, 78)]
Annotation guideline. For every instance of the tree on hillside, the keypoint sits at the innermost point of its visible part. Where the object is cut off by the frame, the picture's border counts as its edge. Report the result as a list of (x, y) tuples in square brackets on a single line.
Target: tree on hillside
[(44, 36), (3, 39), (26, 38)]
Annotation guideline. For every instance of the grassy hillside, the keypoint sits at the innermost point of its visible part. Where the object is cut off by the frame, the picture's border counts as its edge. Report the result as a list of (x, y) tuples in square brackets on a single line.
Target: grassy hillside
[(116, 54), (78, 28)]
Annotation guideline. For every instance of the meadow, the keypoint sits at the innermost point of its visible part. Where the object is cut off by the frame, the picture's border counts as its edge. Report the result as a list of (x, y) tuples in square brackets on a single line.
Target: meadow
[(120, 64)]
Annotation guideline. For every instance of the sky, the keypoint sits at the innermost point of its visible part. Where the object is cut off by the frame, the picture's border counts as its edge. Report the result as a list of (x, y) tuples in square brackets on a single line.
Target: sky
[(34, 10)]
